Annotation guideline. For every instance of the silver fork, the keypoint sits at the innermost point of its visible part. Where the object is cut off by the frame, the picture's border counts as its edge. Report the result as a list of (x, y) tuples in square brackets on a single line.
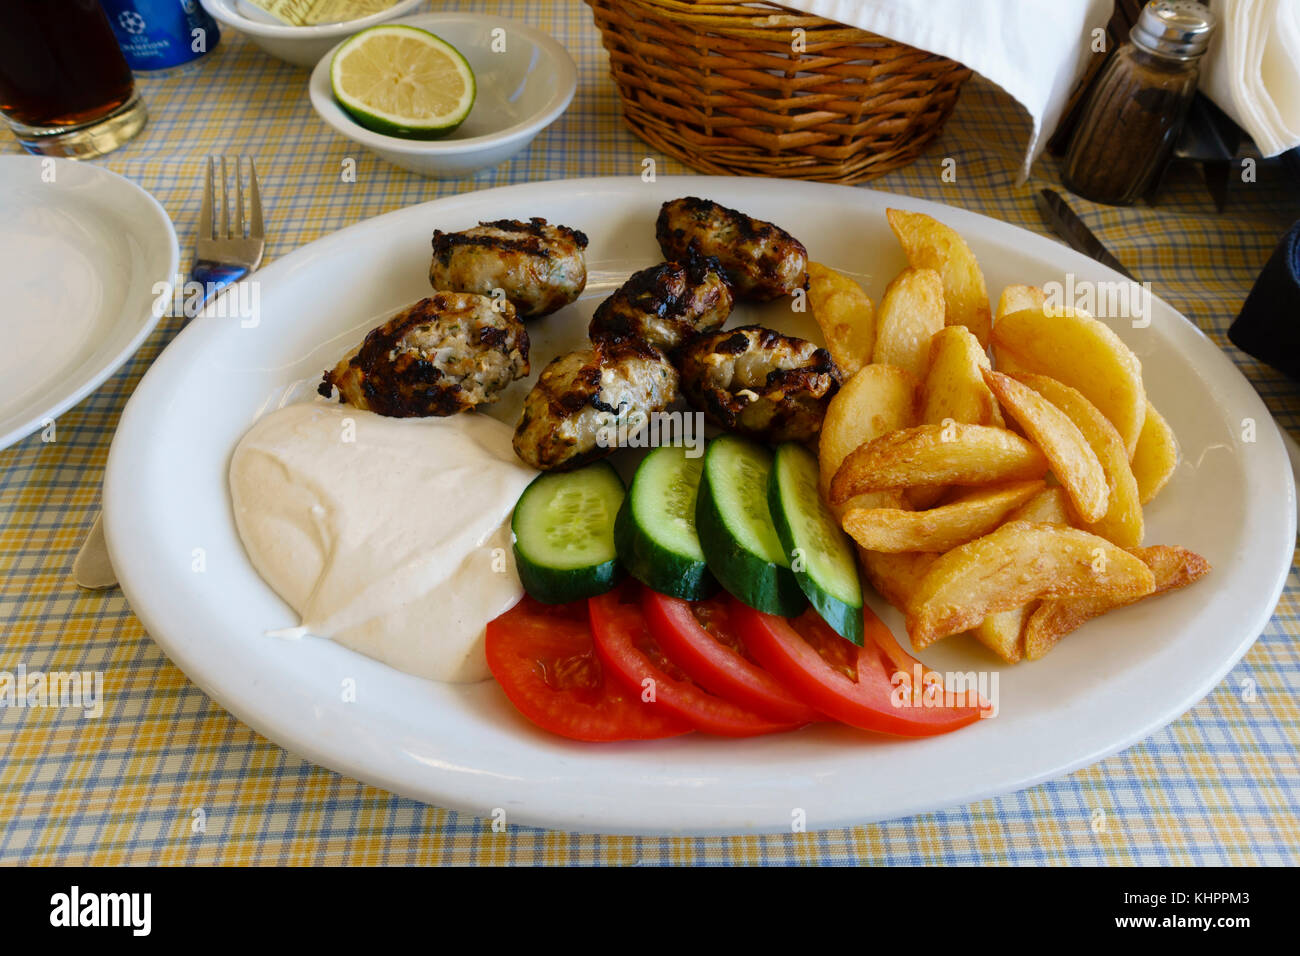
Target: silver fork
[(224, 252)]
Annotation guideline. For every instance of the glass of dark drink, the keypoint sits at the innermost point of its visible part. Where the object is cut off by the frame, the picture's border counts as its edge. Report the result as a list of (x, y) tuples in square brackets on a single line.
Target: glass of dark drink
[(65, 88)]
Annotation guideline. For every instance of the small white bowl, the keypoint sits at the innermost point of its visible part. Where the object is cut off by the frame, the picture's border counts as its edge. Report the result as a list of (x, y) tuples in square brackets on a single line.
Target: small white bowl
[(301, 46), (521, 90)]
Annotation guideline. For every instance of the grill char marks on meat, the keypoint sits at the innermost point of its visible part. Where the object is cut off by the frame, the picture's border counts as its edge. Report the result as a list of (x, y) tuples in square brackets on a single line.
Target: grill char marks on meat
[(762, 260), (445, 354), (537, 266)]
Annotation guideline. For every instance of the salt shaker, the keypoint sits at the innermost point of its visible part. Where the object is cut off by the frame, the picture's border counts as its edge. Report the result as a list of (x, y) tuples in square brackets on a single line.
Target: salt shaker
[(1136, 109)]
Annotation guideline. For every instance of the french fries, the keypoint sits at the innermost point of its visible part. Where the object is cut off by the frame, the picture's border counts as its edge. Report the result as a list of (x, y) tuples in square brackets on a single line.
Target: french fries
[(929, 244), (1077, 350), (1015, 298), (1171, 568), (846, 316), (911, 312), (1072, 460), (999, 499), (1018, 563), (937, 529), (954, 385), (896, 577), (1122, 522), (1001, 632), (946, 454), (878, 400), (1155, 457), (1046, 507), (954, 390)]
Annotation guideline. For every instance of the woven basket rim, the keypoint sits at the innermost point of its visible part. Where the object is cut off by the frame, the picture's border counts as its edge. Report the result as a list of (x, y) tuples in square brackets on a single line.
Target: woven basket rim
[(724, 87)]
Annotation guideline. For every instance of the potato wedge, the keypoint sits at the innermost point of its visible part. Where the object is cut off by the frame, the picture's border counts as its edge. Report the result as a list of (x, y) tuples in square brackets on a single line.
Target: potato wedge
[(945, 454), (1076, 349), (878, 400), (1122, 522), (896, 576), (911, 312), (1046, 507), (954, 385), (1014, 298), (1155, 457), (846, 316), (1171, 568), (937, 529), (1002, 632), (954, 390), (1012, 566), (929, 244), (1071, 458)]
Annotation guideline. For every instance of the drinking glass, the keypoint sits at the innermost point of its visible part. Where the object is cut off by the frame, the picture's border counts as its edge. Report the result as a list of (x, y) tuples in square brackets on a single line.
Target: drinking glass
[(65, 87)]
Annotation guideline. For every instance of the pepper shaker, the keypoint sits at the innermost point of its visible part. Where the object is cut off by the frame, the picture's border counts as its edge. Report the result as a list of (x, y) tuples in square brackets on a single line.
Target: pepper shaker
[(1136, 109)]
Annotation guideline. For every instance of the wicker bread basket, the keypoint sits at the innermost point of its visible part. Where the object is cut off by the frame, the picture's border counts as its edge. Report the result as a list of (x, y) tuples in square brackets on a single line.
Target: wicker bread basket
[(736, 88)]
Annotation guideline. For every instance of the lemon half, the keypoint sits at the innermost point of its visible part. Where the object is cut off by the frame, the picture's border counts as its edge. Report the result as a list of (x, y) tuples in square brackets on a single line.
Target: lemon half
[(403, 81)]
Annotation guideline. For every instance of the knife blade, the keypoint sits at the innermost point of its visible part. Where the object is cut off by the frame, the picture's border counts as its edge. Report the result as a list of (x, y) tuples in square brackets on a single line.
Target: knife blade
[(1074, 232)]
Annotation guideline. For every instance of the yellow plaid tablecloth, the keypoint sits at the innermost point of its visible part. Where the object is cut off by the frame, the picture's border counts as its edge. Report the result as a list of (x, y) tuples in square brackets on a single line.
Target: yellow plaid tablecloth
[(1220, 785)]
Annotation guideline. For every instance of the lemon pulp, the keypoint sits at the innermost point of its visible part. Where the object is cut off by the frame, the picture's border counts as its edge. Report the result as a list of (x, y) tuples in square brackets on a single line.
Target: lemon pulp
[(403, 81)]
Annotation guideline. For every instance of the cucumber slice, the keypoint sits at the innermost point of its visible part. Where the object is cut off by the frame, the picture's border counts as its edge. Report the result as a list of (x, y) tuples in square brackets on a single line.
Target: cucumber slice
[(821, 553), (654, 533), (736, 532), (564, 533)]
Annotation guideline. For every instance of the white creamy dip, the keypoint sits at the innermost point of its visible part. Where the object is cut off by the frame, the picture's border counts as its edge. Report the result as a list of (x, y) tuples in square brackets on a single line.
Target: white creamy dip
[(388, 535)]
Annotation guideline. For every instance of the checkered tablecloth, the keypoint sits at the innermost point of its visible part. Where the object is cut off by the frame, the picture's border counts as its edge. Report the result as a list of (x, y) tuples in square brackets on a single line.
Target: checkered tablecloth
[(1221, 785)]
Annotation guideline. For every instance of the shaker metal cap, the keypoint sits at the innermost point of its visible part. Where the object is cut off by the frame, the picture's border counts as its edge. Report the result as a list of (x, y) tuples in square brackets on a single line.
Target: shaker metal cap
[(1179, 29)]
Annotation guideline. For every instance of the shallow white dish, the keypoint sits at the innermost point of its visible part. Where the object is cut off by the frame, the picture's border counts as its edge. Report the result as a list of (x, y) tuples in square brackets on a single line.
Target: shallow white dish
[(81, 249), (300, 46), (1101, 690), (521, 91)]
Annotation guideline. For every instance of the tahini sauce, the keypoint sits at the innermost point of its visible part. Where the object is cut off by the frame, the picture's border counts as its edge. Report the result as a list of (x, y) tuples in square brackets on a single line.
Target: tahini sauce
[(391, 536)]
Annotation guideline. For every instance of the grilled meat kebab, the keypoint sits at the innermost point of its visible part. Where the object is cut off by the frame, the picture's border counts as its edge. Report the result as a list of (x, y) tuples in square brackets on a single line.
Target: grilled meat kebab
[(758, 382), (666, 305), (762, 260), (583, 401), (445, 354), (539, 267)]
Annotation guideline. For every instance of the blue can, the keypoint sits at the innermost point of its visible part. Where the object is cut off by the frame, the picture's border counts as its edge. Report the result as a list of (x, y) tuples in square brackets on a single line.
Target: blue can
[(158, 34)]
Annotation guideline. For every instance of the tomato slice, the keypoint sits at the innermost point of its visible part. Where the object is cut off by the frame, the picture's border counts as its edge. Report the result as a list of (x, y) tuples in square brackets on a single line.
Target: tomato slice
[(856, 685), (629, 649), (543, 657), (702, 639)]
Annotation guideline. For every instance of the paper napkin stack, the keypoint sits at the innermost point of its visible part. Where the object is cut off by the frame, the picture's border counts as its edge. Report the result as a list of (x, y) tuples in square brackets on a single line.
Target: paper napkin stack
[(1252, 70)]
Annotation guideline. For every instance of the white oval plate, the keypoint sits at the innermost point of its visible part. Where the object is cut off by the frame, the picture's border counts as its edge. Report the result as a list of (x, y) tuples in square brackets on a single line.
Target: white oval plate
[(1103, 689), (80, 251)]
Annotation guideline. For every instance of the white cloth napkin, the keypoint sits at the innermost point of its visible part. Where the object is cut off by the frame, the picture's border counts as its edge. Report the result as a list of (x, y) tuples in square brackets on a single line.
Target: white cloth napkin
[(1252, 70), (1034, 49)]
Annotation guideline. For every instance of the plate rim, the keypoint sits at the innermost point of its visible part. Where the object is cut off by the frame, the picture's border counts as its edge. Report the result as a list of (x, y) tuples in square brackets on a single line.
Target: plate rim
[(119, 359), (365, 768)]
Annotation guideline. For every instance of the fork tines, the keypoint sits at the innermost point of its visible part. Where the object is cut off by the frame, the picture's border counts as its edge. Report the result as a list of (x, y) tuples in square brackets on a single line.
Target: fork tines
[(243, 227)]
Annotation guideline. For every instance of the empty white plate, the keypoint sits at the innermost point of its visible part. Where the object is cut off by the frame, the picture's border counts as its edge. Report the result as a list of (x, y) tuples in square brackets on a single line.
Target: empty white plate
[(81, 251)]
